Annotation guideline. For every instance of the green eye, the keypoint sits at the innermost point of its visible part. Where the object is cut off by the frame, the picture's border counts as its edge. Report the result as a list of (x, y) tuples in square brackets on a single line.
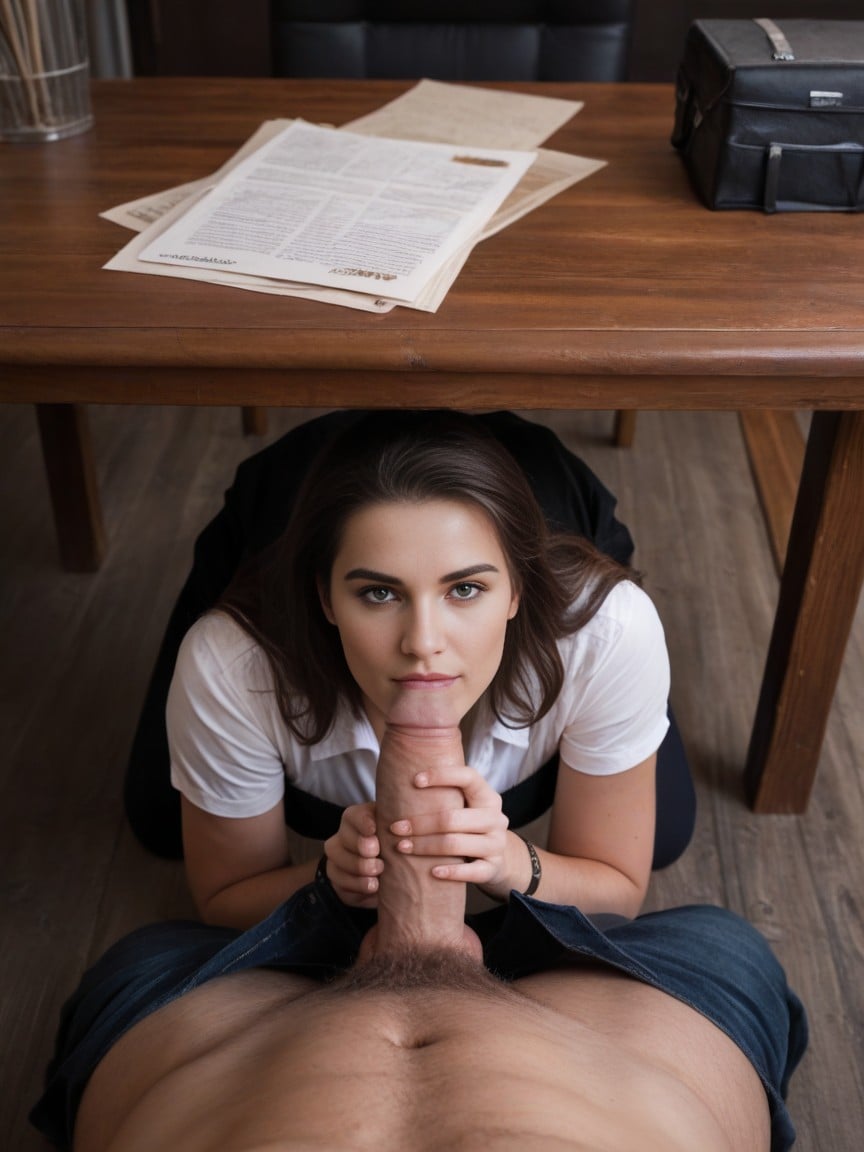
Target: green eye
[(377, 595), (466, 591)]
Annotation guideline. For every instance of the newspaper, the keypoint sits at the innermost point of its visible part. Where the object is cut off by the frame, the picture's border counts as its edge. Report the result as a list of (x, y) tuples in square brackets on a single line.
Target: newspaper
[(429, 111), (343, 210), (435, 111)]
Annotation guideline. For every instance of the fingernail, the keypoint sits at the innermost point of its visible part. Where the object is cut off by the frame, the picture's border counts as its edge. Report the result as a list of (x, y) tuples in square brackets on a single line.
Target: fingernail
[(421, 779), (401, 828), (405, 846)]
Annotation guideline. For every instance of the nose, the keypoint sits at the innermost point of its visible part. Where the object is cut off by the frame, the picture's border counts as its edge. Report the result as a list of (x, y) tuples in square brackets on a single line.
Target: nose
[(423, 634)]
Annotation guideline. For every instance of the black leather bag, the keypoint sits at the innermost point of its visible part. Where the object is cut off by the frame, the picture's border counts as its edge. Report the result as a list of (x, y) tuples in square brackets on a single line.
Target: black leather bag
[(770, 114)]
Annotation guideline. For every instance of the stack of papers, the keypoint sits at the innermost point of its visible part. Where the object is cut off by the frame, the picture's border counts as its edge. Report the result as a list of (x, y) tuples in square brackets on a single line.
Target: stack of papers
[(382, 212)]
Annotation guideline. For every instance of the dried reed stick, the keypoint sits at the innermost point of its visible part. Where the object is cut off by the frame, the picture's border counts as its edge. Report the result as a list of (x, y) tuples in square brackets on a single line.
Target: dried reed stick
[(12, 25), (37, 42)]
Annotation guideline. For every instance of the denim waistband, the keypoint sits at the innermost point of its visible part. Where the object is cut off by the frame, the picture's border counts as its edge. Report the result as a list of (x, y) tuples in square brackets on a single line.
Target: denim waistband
[(705, 956)]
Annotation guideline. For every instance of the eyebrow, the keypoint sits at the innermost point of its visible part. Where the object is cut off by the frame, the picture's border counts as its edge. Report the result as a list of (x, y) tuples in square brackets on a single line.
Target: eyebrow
[(451, 577)]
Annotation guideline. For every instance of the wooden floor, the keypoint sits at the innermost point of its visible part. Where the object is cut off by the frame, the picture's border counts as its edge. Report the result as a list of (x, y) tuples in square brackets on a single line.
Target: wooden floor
[(76, 653)]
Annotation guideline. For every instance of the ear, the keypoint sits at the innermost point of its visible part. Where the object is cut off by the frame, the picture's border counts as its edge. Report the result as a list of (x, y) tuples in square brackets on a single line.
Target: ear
[(324, 599), (514, 606)]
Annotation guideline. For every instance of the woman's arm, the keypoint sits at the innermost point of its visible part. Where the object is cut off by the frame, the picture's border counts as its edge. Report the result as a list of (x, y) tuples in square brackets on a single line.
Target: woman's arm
[(601, 835), (239, 869), (228, 766), (601, 840)]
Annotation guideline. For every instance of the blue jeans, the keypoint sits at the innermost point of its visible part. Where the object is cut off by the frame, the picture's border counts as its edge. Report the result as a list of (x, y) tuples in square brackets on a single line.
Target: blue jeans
[(705, 956)]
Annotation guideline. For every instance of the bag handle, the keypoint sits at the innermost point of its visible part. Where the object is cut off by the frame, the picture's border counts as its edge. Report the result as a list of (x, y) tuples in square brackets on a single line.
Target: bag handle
[(852, 157), (782, 47)]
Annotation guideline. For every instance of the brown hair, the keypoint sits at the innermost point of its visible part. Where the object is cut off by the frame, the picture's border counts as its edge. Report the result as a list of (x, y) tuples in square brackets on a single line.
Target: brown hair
[(416, 456)]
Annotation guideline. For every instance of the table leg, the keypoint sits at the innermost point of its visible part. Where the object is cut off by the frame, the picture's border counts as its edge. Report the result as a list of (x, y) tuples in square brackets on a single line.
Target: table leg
[(68, 455), (775, 445), (254, 421), (819, 592), (625, 428)]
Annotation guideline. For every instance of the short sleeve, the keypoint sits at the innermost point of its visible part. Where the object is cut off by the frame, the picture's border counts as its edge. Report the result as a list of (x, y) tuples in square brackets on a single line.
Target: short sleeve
[(618, 681), (220, 717)]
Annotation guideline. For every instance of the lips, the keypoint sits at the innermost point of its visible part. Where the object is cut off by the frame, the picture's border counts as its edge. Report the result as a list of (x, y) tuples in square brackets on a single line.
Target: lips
[(428, 680)]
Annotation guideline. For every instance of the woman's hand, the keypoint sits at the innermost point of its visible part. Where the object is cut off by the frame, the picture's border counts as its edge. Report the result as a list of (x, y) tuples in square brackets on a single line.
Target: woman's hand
[(353, 857), (477, 832)]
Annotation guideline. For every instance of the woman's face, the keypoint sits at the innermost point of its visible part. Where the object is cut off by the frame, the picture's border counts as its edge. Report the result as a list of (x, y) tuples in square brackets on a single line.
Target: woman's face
[(421, 595)]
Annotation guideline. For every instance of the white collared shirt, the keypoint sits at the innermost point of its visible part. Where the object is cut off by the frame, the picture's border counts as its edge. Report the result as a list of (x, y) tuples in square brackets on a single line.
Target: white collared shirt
[(231, 751)]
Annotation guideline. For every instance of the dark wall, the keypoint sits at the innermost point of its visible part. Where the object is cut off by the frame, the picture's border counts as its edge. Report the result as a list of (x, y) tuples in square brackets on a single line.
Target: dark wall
[(200, 37), (231, 37)]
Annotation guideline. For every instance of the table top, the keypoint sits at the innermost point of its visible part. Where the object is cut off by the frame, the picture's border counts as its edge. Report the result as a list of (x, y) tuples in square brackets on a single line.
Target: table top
[(623, 291)]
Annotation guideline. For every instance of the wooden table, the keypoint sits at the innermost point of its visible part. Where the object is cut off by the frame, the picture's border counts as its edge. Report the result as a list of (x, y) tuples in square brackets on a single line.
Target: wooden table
[(622, 293)]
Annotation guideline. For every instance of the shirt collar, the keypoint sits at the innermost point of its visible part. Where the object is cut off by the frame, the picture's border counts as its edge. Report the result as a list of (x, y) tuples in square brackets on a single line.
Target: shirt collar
[(351, 732), (518, 737)]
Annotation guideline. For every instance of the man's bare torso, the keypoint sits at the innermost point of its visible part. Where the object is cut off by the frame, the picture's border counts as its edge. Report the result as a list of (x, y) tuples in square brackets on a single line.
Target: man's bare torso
[(582, 1059)]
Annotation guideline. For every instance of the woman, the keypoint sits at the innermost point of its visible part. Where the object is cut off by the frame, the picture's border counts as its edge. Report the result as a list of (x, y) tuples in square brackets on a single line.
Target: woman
[(417, 560)]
